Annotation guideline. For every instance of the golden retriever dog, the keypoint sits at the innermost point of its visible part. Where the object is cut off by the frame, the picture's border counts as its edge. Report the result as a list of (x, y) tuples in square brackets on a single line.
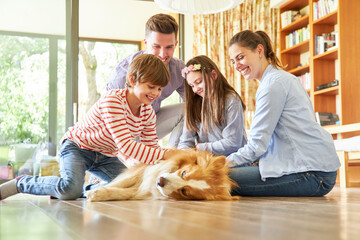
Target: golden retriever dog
[(188, 175)]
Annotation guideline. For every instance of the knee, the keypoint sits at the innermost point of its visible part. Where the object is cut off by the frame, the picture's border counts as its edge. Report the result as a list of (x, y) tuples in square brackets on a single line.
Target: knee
[(68, 190)]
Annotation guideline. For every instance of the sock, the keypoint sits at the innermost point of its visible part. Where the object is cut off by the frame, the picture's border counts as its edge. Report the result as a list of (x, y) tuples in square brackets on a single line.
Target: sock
[(8, 189)]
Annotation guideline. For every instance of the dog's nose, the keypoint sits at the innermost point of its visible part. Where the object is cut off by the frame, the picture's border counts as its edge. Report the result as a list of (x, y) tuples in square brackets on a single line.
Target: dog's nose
[(161, 181)]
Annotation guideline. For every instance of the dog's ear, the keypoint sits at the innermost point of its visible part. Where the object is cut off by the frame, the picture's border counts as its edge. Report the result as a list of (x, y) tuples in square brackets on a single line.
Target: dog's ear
[(222, 193), (218, 162), (185, 157)]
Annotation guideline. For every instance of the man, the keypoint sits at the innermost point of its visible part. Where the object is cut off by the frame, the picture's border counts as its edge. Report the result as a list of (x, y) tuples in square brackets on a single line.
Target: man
[(160, 40)]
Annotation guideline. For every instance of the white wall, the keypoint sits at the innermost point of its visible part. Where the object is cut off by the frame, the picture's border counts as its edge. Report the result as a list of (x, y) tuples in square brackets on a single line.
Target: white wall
[(35, 16), (114, 19)]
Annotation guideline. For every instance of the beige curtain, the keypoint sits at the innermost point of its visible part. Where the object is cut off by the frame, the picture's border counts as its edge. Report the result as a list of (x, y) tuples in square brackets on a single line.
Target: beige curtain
[(212, 34)]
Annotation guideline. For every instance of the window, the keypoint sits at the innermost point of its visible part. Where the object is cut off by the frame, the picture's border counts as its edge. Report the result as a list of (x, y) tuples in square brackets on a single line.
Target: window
[(33, 91), (97, 61), (32, 108)]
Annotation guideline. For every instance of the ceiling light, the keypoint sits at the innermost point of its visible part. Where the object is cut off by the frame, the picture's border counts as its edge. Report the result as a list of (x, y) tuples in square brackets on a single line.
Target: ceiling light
[(197, 6)]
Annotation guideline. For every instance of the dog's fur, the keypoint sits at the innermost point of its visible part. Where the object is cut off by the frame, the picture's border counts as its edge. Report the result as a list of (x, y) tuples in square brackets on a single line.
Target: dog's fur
[(190, 175)]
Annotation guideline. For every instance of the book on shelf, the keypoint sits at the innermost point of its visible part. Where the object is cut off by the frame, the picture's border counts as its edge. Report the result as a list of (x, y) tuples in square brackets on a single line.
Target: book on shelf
[(304, 11), (296, 37), (305, 80), (291, 16), (288, 17), (327, 85), (322, 8), (325, 42), (325, 119)]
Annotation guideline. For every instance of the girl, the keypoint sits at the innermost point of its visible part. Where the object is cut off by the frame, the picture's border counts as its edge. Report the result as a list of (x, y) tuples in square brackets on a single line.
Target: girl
[(295, 156), (214, 117), (106, 134)]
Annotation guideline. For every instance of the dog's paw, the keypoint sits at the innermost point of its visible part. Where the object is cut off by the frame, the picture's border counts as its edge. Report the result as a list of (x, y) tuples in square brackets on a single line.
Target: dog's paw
[(95, 195)]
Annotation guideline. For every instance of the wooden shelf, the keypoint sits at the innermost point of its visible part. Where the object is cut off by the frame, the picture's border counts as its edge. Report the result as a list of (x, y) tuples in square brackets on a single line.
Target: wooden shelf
[(341, 63), (293, 4), (328, 91), (328, 55), (299, 70), (302, 22), (298, 48), (330, 19)]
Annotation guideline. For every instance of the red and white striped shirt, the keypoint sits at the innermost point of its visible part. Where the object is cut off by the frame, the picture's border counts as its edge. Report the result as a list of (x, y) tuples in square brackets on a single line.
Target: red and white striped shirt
[(110, 127)]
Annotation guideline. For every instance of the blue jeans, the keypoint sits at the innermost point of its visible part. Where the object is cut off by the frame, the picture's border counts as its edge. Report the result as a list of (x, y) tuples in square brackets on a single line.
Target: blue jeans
[(305, 184), (74, 162)]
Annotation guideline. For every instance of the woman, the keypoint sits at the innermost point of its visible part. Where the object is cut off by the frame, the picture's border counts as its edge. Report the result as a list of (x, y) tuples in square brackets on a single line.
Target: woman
[(288, 153), (214, 114)]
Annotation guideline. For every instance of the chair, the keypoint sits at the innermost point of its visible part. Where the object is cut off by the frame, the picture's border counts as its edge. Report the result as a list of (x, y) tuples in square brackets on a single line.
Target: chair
[(347, 158)]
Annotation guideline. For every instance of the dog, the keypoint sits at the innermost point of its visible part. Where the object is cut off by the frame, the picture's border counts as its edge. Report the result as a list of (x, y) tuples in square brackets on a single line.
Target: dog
[(187, 175)]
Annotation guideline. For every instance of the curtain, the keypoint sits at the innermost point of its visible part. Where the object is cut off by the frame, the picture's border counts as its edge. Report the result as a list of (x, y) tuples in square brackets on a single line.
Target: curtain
[(212, 34)]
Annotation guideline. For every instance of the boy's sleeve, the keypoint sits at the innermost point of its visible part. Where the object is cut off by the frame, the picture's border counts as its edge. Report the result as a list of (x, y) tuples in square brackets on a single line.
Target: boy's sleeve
[(148, 135), (113, 113)]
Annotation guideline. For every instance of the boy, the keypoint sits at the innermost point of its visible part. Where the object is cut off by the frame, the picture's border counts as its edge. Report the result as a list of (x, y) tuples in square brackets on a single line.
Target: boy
[(105, 135)]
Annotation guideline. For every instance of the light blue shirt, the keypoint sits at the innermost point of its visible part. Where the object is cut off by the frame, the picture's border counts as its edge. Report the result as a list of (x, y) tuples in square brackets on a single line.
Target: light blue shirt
[(284, 136), (220, 140)]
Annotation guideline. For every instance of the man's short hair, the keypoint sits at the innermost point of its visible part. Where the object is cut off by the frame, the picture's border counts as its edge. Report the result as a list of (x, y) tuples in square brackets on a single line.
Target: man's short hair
[(161, 23)]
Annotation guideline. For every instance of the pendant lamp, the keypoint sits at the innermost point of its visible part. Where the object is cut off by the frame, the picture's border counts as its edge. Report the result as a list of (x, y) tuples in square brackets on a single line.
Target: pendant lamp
[(197, 6)]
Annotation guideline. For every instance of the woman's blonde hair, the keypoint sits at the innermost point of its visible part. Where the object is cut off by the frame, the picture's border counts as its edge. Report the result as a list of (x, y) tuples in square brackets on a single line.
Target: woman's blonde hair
[(251, 40), (210, 109), (148, 68)]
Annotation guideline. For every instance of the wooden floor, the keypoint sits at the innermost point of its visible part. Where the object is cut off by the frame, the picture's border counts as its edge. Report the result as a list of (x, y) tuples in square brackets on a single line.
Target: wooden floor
[(335, 216)]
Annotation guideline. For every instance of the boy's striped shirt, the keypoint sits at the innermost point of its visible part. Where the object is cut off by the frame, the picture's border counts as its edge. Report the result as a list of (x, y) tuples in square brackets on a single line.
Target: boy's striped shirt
[(110, 128)]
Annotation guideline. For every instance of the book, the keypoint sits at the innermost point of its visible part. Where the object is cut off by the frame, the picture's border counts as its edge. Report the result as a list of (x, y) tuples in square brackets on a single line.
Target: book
[(288, 17), (327, 85), (304, 11), (325, 119)]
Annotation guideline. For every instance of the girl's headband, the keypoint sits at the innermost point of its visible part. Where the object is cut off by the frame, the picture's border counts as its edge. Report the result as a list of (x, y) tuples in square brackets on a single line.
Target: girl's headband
[(190, 68)]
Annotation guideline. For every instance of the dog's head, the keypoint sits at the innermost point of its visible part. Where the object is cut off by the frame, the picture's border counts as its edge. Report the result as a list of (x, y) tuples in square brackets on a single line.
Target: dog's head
[(196, 175)]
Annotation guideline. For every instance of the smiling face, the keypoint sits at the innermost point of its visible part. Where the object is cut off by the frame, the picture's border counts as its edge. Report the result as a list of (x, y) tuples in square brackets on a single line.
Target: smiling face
[(146, 92), (196, 82), (161, 45), (246, 61), (141, 93)]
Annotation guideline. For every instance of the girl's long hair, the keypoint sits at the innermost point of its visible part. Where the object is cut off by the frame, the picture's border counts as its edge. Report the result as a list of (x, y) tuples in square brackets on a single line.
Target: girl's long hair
[(209, 110)]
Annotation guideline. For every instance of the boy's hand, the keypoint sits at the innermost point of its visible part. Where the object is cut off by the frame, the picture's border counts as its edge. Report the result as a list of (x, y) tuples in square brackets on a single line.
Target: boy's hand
[(171, 152)]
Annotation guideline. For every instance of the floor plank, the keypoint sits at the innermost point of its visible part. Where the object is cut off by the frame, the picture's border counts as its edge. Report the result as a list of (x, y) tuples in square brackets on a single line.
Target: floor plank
[(335, 216)]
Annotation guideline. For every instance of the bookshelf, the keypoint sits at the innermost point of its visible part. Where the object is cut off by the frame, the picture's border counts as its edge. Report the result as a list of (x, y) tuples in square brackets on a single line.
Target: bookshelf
[(295, 53), (341, 62)]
